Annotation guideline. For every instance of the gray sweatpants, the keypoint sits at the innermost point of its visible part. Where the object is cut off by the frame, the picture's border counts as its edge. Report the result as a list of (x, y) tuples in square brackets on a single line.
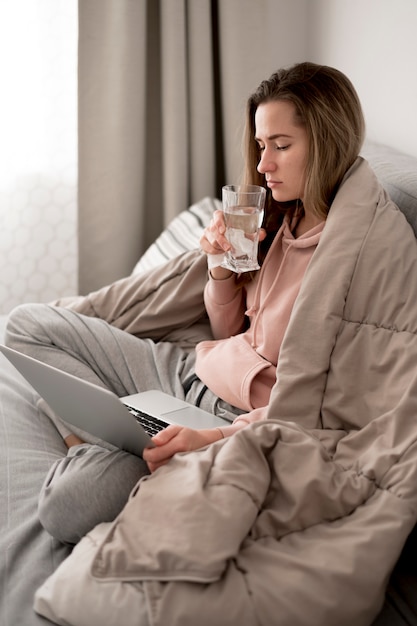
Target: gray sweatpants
[(92, 483)]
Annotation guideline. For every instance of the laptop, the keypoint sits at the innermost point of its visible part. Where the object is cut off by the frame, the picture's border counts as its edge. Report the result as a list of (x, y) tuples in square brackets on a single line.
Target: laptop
[(128, 423)]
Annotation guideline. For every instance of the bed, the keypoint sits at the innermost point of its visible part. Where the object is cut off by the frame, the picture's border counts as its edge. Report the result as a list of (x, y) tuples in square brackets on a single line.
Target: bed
[(29, 442)]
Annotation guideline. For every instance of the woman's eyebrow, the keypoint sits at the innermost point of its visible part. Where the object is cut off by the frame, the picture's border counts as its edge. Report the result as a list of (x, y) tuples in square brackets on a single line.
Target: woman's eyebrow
[(276, 136)]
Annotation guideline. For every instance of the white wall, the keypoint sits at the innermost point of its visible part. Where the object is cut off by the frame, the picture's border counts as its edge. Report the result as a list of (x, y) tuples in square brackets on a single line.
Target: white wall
[(375, 43)]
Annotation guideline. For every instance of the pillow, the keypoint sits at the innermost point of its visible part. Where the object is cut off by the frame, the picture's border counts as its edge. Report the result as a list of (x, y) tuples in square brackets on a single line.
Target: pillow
[(397, 173), (182, 234)]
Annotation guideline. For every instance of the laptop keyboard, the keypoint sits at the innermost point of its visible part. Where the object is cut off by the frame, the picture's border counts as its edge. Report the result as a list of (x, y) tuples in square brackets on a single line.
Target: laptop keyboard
[(151, 424)]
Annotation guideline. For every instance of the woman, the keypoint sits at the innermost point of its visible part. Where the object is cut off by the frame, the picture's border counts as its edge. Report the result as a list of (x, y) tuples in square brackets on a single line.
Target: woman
[(304, 130)]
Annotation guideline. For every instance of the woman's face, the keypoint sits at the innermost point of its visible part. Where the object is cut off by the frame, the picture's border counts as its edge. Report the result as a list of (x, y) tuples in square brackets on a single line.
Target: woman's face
[(283, 148)]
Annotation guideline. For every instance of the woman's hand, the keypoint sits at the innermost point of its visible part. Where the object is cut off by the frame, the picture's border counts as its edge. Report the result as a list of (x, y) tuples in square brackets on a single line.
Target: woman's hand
[(175, 439), (213, 242)]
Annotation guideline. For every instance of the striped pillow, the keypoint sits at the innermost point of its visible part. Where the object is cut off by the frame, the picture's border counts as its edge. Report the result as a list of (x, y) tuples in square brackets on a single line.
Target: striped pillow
[(182, 234)]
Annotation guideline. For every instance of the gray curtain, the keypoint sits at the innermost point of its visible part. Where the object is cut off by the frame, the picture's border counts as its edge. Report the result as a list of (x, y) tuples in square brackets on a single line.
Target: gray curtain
[(162, 91)]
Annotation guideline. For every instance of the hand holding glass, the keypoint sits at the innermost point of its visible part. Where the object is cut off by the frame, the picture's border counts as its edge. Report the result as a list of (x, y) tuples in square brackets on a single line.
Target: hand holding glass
[(243, 208)]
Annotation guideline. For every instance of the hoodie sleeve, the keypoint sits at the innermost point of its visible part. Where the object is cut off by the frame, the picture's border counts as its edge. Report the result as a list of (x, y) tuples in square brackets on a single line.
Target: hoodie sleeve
[(244, 420), (226, 305)]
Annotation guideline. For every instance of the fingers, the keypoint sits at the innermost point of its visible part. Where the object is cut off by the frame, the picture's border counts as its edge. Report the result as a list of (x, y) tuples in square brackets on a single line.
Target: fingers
[(165, 435), (213, 240), (154, 466), (167, 443), (175, 439)]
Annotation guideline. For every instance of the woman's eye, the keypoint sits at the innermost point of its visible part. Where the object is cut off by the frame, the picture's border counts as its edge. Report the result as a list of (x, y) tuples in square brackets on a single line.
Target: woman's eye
[(281, 148)]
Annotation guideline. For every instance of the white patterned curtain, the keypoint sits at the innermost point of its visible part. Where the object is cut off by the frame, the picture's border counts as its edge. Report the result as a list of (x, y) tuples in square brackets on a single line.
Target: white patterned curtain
[(38, 150)]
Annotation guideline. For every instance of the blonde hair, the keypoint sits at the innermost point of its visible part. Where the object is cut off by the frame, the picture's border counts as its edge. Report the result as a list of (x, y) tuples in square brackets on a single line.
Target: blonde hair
[(328, 107)]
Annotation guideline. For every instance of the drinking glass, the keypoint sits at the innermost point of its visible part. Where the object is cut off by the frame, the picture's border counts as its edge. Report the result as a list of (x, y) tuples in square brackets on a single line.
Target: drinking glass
[(243, 208)]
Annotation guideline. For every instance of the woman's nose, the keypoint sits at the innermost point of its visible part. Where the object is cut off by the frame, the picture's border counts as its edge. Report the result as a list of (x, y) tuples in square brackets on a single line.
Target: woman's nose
[(265, 164)]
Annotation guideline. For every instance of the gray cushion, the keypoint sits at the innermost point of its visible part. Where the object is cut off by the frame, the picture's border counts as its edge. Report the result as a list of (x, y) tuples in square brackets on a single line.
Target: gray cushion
[(397, 172)]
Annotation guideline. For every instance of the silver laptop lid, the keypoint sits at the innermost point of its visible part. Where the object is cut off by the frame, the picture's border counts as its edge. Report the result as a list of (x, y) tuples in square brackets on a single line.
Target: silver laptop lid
[(91, 408)]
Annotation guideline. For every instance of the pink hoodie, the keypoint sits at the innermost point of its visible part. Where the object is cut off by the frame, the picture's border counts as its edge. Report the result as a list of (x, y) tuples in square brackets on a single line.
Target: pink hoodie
[(240, 365)]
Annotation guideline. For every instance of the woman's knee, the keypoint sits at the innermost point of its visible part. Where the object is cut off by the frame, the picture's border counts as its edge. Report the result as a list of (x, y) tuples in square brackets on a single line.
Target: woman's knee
[(23, 321), (89, 486), (59, 509), (56, 514)]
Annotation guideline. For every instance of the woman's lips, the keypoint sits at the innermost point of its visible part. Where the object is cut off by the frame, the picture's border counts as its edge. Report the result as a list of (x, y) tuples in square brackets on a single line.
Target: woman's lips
[(273, 183)]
